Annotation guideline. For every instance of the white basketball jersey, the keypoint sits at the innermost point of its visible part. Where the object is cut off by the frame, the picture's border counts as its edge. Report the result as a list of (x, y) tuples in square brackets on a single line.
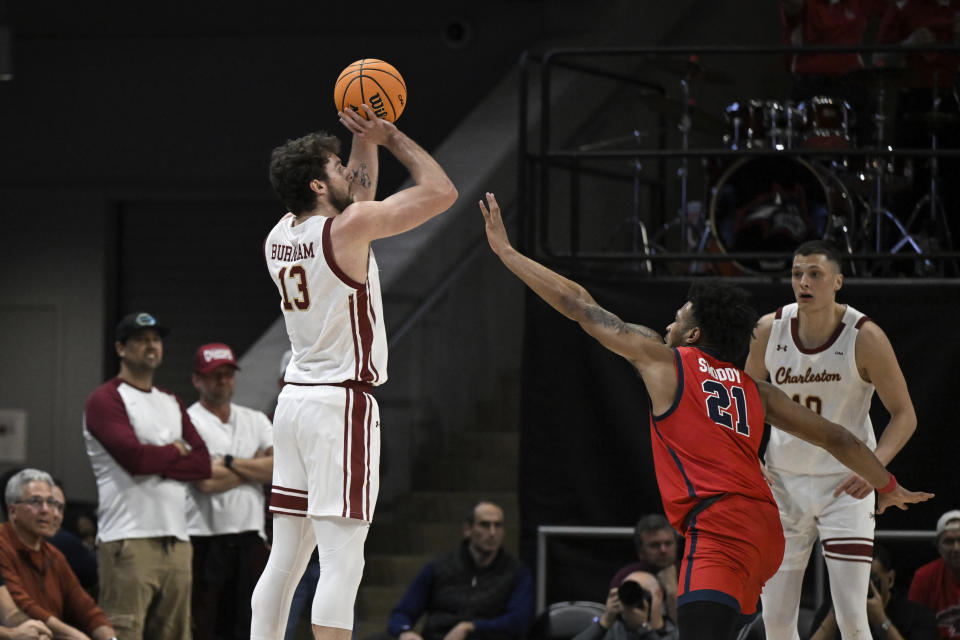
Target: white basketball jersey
[(824, 379), (334, 323)]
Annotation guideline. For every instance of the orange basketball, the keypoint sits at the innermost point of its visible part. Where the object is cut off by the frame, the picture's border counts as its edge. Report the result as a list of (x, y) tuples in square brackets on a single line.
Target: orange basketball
[(375, 83)]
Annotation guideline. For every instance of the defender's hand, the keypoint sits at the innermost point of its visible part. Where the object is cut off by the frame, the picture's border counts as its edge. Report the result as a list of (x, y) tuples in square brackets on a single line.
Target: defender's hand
[(900, 497), (496, 232)]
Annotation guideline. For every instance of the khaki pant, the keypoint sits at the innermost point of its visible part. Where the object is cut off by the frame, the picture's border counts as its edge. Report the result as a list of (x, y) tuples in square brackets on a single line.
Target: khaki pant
[(145, 587)]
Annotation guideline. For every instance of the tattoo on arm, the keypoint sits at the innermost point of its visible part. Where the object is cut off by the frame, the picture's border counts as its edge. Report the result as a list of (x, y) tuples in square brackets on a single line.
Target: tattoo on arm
[(604, 318), (360, 176)]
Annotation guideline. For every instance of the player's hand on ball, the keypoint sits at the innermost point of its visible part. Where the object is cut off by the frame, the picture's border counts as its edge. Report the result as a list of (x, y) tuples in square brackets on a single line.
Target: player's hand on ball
[(854, 485), (900, 497), (373, 129), (496, 232)]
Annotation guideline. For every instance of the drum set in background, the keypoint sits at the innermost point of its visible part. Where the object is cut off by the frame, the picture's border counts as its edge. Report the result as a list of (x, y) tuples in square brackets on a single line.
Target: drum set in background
[(770, 203)]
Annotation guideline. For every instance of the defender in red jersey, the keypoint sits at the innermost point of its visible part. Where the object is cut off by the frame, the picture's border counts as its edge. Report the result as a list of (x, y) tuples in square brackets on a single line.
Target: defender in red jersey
[(706, 418)]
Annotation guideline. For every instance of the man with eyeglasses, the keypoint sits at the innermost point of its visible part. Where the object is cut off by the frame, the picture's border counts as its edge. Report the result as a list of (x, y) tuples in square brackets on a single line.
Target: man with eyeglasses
[(38, 576)]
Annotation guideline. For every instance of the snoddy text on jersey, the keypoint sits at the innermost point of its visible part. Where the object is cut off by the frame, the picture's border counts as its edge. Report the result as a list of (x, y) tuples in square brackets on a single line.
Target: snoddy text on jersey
[(731, 374), (785, 375), (291, 252)]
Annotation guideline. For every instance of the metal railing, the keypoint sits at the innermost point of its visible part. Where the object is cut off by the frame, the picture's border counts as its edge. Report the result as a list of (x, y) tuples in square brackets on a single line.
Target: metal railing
[(540, 153), (545, 532)]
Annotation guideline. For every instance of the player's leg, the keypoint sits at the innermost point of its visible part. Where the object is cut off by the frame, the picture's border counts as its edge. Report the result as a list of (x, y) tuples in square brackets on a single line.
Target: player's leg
[(781, 593), (846, 531), (293, 542), (293, 539), (781, 604), (707, 620), (340, 551)]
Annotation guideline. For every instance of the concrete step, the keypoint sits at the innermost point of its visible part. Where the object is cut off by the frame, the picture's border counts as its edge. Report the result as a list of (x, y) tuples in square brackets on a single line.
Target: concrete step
[(463, 474), (423, 538), (383, 569), (412, 538), (376, 602), (451, 507), (367, 627), (501, 446)]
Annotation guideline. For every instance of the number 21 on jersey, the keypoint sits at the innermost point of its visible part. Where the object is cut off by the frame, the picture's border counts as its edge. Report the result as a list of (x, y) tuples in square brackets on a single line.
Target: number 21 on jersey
[(719, 404)]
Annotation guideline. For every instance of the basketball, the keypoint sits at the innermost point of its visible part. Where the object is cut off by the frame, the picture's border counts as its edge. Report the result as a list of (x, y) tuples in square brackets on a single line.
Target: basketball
[(374, 82)]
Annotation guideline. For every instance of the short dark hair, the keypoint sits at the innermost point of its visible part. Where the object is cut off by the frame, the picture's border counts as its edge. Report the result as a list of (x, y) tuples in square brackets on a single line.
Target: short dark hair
[(881, 555), (725, 317), (821, 248), (471, 516), (648, 524), (294, 164)]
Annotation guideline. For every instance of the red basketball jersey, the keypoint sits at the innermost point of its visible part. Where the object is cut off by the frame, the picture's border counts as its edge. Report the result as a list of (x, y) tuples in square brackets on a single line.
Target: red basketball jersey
[(705, 445)]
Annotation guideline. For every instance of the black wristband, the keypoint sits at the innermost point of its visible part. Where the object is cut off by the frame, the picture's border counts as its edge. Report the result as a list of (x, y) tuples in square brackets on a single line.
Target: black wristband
[(228, 461)]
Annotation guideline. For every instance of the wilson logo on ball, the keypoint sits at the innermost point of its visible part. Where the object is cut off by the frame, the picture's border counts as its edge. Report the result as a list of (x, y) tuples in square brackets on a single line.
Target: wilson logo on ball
[(372, 82)]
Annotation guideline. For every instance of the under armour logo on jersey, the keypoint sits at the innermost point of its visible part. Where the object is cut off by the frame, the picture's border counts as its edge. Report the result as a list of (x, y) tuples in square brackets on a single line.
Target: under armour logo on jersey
[(781, 347)]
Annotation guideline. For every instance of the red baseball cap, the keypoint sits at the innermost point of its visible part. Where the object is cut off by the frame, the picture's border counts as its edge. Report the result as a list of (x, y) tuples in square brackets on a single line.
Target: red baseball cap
[(210, 356)]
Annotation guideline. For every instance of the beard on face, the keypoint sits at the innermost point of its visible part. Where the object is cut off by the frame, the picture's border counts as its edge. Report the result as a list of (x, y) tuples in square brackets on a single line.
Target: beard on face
[(340, 200)]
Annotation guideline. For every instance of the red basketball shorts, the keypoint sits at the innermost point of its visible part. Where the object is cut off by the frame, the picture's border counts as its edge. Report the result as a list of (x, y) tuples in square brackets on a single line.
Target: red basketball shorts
[(732, 548)]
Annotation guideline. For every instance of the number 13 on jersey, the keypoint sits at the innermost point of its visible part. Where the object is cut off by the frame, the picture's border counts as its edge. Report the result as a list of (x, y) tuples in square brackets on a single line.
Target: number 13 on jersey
[(301, 298)]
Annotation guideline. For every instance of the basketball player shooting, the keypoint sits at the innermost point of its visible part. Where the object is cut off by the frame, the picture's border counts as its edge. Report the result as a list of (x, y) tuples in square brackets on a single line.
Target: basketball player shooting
[(327, 423), (707, 419)]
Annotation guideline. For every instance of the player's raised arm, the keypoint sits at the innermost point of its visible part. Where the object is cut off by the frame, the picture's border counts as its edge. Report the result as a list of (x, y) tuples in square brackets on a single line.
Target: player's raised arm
[(785, 414), (636, 343), (363, 169), (432, 194)]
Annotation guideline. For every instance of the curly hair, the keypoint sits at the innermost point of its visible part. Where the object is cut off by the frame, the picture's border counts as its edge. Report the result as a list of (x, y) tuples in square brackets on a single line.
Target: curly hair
[(725, 317), (821, 248), (294, 164)]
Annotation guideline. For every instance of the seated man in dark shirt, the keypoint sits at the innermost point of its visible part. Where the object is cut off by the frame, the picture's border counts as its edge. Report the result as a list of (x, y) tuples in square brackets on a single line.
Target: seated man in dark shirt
[(890, 614), (478, 590)]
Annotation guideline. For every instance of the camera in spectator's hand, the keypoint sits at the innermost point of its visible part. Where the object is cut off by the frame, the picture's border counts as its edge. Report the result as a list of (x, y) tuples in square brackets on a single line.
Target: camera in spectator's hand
[(632, 594)]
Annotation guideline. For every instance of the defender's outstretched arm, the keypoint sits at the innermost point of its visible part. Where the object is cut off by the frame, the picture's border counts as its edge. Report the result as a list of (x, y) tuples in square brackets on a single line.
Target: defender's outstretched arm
[(636, 343)]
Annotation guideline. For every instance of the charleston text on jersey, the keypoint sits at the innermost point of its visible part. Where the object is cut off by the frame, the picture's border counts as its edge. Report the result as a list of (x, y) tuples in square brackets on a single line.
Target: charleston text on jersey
[(785, 375)]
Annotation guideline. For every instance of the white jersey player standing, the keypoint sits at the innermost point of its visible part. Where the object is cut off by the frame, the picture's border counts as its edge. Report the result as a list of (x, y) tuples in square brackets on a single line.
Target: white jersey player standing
[(830, 358), (326, 426)]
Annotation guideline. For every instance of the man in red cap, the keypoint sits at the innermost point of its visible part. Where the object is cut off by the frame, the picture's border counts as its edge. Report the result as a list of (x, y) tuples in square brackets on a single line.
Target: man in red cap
[(937, 584), (225, 513)]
